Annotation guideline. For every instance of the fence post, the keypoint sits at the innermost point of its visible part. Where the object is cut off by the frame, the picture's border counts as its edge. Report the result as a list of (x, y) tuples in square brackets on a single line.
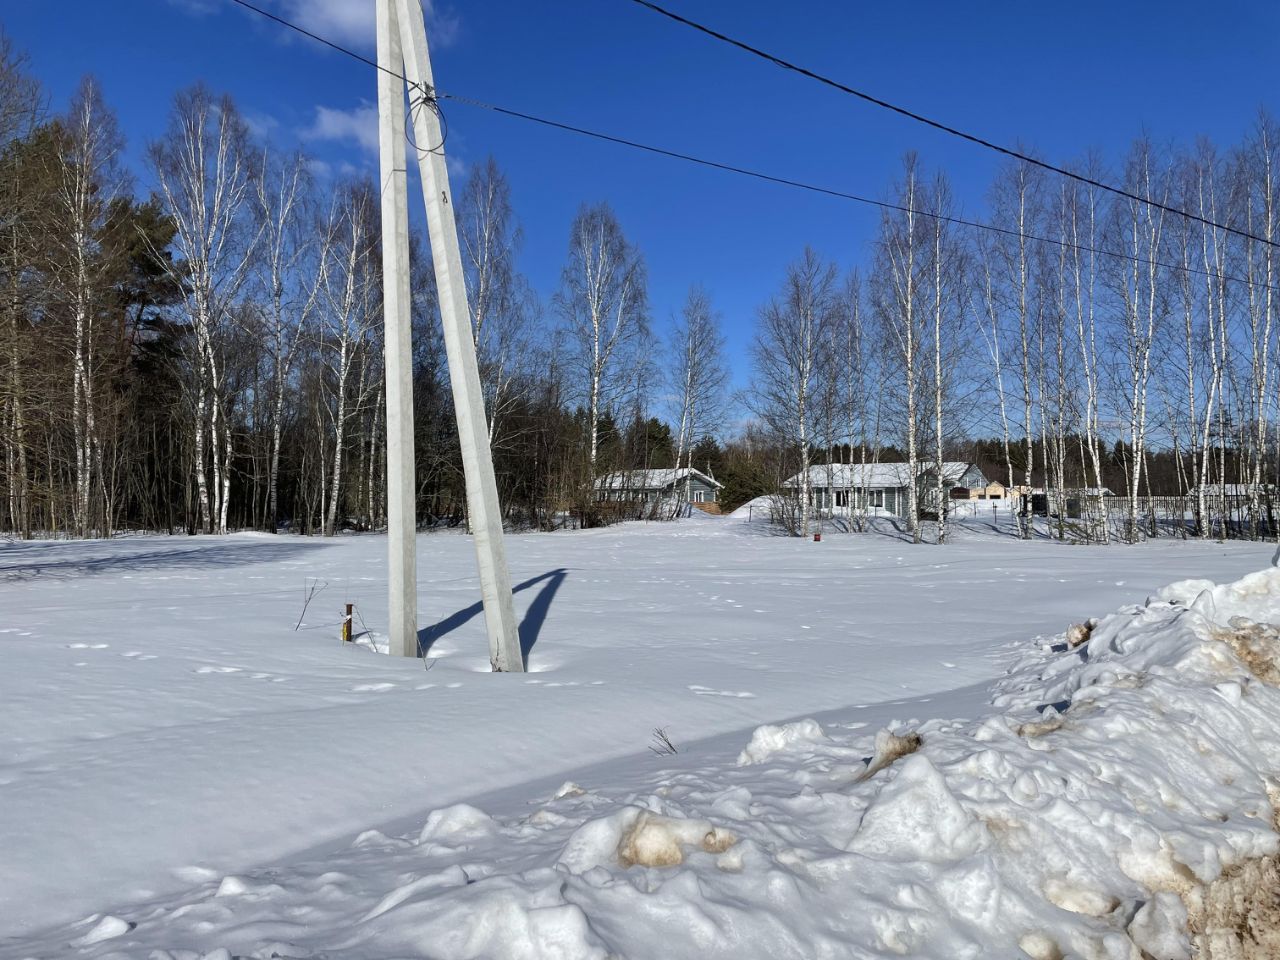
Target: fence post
[(346, 624)]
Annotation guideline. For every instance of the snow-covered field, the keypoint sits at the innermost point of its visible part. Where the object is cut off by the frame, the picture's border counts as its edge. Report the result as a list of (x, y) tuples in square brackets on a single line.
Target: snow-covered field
[(183, 771)]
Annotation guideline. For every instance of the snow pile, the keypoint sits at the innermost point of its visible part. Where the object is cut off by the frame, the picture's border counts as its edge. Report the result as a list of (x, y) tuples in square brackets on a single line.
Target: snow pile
[(761, 508), (1093, 836), (634, 836), (769, 739), (1118, 800)]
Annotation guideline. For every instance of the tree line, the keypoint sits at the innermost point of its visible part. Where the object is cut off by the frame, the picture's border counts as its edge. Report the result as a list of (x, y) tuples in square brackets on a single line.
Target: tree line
[(1089, 341), (203, 352)]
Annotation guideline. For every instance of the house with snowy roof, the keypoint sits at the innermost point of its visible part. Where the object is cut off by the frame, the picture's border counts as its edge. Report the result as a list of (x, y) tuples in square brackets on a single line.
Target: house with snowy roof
[(881, 488), (653, 485)]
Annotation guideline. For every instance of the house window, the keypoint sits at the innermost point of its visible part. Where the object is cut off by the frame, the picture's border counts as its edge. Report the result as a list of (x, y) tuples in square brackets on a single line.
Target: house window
[(698, 496), (842, 498), (876, 498)]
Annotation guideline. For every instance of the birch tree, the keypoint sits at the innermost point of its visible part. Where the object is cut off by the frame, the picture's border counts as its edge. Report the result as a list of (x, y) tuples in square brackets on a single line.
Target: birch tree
[(791, 352), (502, 305), (1260, 177), (900, 296), (992, 331), (348, 278), (947, 307), (202, 168), (1082, 233), (1213, 260), (89, 181), (1142, 292), (696, 376), (21, 102), (1016, 208), (603, 303), (288, 274), (859, 393)]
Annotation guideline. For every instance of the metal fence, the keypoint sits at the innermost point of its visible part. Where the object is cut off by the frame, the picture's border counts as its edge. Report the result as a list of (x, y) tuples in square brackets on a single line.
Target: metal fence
[(1091, 518)]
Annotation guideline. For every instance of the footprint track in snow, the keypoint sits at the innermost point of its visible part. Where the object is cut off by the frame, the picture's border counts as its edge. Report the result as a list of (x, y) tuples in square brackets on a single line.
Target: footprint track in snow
[(212, 669), (701, 691)]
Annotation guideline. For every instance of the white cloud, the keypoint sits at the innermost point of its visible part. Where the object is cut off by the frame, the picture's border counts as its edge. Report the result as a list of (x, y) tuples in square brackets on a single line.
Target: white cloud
[(351, 21), (197, 7), (444, 24), (320, 169), (358, 125), (342, 21), (261, 125), (458, 169), (347, 22)]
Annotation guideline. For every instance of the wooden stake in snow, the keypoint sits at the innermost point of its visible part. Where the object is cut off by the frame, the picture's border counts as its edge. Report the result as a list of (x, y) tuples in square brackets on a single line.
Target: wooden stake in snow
[(346, 624)]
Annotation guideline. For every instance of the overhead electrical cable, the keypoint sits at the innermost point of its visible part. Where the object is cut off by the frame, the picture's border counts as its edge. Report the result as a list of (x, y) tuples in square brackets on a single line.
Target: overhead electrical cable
[(945, 128), (316, 37), (433, 96)]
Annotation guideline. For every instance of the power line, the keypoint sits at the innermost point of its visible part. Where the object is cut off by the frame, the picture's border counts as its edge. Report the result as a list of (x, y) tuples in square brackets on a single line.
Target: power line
[(840, 194), (424, 97), (319, 39), (938, 125), (756, 174)]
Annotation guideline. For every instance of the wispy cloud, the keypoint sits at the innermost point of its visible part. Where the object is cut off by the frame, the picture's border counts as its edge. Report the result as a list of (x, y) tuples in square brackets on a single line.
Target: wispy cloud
[(444, 23), (358, 125), (339, 20), (261, 125), (197, 7), (346, 22), (350, 22), (320, 169)]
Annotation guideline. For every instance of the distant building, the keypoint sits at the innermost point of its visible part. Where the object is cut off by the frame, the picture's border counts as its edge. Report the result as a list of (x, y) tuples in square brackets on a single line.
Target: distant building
[(649, 486), (995, 490), (841, 489)]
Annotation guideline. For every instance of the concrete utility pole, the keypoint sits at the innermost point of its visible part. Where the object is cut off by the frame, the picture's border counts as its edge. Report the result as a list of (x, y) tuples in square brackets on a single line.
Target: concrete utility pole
[(402, 521), (404, 18)]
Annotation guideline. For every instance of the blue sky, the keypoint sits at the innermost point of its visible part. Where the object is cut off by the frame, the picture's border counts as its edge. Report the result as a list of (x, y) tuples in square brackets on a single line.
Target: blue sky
[(1056, 78)]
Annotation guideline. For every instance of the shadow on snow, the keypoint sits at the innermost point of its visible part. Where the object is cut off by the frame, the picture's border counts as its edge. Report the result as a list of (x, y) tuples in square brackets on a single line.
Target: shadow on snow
[(46, 561), (530, 626)]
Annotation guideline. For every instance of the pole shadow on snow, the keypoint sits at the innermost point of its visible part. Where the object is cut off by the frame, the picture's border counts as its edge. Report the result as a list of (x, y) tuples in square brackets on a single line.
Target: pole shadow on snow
[(530, 626)]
